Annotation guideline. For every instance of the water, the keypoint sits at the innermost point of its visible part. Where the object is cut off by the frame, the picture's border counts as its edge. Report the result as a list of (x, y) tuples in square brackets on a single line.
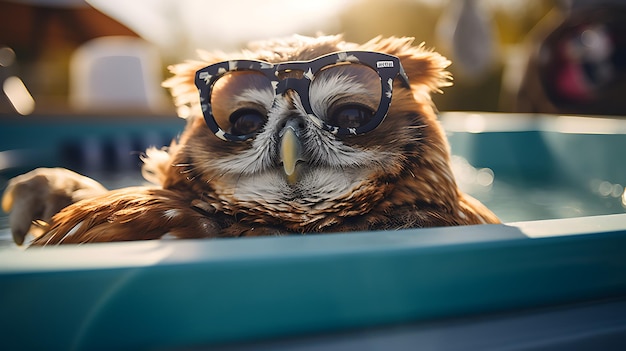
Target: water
[(516, 199), (512, 200)]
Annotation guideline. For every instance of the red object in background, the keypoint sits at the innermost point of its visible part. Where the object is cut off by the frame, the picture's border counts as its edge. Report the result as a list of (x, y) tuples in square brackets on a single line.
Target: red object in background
[(582, 63)]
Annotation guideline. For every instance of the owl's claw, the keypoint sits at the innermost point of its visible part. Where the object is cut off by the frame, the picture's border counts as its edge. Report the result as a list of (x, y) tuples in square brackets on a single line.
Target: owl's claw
[(40, 194)]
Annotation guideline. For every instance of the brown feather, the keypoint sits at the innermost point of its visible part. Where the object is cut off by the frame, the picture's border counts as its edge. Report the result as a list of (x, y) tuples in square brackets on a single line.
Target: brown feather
[(136, 213)]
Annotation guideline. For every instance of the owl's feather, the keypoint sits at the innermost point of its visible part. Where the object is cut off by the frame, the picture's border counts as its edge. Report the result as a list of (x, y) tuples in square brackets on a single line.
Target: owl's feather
[(396, 176)]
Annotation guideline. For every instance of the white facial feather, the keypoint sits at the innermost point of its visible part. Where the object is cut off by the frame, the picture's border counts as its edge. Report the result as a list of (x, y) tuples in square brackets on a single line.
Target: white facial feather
[(261, 97), (332, 167), (325, 91), (315, 190), (322, 149)]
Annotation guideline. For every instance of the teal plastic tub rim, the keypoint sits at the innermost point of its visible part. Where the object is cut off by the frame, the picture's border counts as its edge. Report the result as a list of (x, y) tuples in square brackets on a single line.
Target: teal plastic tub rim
[(164, 294)]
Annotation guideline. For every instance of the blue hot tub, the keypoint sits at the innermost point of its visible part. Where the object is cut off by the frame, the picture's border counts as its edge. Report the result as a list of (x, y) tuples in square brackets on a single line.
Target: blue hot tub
[(552, 277)]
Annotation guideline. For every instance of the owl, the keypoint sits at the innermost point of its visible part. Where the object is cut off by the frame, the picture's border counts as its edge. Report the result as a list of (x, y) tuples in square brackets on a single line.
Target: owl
[(289, 136)]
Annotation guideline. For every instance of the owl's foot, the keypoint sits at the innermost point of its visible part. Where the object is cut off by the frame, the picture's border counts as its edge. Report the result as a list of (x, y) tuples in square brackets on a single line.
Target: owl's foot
[(40, 194)]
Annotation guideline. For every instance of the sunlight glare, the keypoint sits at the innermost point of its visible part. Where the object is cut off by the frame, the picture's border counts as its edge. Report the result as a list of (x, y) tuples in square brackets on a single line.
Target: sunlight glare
[(18, 95)]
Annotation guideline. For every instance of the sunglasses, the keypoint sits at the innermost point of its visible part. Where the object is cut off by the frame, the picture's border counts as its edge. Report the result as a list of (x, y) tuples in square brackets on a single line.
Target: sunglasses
[(344, 93)]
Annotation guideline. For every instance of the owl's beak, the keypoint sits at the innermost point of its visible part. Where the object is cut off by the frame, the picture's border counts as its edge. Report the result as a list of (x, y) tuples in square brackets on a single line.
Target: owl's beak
[(290, 151)]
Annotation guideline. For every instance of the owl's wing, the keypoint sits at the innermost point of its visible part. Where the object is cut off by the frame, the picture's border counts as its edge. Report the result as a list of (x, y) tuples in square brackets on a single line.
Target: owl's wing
[(472, 211), (136, 213)]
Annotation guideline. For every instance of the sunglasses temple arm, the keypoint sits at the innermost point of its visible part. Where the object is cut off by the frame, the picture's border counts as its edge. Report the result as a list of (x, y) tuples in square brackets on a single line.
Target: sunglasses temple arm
[(404, 78)]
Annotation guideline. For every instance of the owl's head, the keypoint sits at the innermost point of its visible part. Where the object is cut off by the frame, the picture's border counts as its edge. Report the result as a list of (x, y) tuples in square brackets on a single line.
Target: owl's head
[(313, 131)]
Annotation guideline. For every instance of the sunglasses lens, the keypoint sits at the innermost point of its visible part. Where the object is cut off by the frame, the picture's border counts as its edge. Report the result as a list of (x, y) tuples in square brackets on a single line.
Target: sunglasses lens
[(346, 95), (240, 101)]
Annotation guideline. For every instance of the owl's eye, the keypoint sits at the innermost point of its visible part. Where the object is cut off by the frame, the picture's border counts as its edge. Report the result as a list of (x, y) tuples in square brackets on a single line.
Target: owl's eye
[(351, 116), (246, 121)]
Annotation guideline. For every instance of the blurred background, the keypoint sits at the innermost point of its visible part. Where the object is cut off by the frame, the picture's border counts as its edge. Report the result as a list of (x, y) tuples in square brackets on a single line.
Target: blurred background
[(551, 56)]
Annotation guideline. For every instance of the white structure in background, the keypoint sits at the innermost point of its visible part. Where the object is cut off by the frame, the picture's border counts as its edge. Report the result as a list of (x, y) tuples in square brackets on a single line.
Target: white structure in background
[(116, 73)]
